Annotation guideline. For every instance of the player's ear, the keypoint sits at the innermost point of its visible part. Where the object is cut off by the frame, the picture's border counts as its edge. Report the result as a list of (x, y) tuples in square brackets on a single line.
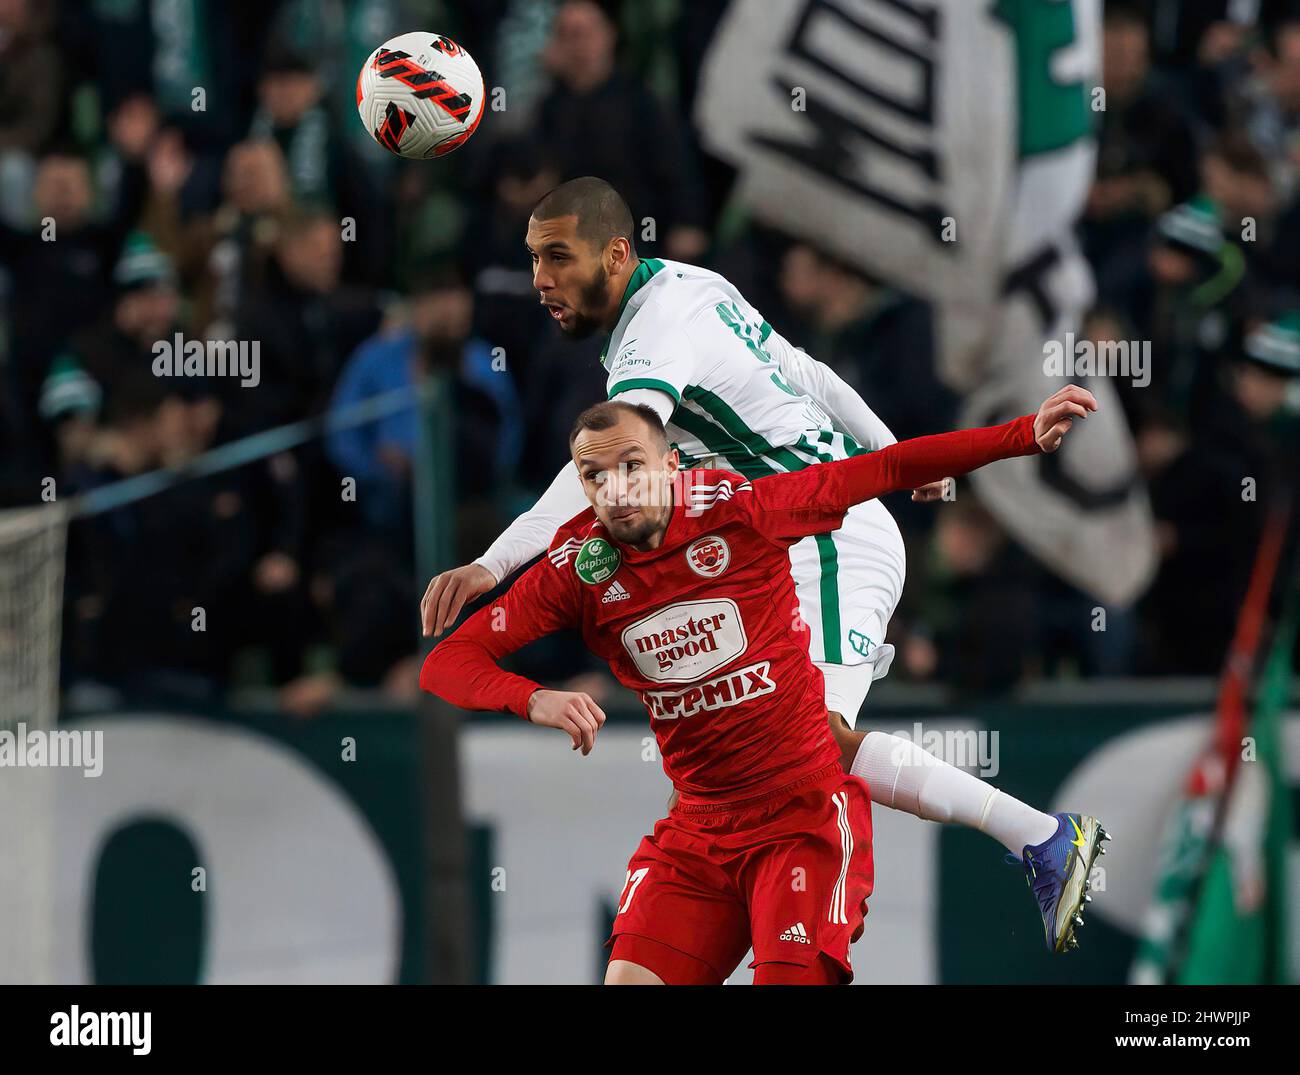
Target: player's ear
[(672, 463), (619, 252)]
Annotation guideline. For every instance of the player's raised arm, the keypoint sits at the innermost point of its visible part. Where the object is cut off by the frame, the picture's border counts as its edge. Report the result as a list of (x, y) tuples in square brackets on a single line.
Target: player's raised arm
[(815, 499), (463, 669), (523, 539)]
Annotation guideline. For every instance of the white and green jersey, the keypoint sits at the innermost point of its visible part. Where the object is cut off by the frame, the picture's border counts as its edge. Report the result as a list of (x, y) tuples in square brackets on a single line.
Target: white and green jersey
[(687, 332), (734, 394)]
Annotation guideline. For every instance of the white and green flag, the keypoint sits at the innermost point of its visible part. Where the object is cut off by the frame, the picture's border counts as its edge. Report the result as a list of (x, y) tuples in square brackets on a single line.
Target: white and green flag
[(945, 147)]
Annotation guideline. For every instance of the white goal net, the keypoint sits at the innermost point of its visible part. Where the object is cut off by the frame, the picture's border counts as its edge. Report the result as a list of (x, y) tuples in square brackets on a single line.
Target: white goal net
[(31, 609)]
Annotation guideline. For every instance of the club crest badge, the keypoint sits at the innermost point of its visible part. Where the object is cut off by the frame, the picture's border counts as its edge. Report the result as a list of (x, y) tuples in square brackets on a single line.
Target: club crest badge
[(708, 556)]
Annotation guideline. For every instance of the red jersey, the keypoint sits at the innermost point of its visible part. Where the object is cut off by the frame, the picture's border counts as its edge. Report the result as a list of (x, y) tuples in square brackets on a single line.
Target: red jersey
[(706, 627)]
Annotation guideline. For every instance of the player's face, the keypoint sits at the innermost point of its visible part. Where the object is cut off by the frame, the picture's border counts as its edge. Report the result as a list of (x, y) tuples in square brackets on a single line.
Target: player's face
[(570, 275), (627, 475)]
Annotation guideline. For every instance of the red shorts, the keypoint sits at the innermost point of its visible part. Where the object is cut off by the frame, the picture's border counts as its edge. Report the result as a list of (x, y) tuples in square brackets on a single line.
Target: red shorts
[(788, 873)]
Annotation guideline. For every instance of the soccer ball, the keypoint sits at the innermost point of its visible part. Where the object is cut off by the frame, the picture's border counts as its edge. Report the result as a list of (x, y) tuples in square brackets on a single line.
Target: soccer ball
[(420, 95)]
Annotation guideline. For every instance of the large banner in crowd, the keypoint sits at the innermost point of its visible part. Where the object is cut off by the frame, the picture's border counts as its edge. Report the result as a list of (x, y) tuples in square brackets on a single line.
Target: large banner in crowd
[(945, 147)]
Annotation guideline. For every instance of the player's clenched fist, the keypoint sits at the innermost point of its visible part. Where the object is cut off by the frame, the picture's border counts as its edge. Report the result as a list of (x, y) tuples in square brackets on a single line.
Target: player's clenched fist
[(571, 711), (447, 594), (1057, 415)]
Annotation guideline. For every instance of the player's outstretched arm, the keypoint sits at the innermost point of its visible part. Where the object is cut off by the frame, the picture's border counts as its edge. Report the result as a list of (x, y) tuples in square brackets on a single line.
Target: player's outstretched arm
[(526, 537), (848, 410), (464, 672), (921, 460), (463, 669), (814, 500)]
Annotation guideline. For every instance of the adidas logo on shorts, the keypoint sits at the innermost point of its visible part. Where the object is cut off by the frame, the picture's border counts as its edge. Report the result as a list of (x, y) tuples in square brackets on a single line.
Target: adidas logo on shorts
[(615, 593), (796, 933)]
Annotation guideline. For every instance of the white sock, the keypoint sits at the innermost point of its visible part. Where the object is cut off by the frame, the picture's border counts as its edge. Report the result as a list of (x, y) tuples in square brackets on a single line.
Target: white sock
[(901, 775)]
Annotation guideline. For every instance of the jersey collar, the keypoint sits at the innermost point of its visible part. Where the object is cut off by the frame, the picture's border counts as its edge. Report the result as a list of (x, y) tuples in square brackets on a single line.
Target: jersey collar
[(646, 268)]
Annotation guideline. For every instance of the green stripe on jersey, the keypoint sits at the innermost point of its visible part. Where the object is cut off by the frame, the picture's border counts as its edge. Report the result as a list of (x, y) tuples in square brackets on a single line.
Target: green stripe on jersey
[(830, 599), (718, 442), (739, 431), (645, 382), (818, 455), (830, 565)]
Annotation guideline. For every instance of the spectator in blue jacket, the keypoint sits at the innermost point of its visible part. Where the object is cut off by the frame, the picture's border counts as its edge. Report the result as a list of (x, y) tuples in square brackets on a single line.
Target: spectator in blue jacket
[(381, 454)]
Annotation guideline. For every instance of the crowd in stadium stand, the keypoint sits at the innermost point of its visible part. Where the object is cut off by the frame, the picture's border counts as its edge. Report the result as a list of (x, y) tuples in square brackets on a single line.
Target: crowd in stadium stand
[(205, 173)]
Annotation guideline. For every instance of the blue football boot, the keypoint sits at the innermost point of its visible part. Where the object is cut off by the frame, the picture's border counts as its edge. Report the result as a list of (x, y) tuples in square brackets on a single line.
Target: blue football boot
[(1057, 872)]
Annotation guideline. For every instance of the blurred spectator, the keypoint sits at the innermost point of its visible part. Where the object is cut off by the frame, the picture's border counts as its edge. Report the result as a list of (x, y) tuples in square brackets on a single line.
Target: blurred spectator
[(227, 252), (1147, 151), (566, 378), (196, 61), (303, 321), (138, 632), (878, 339), (506, 311), (1102, 325), (146, 310), (324, 171), (1270, 104), (70, 403), (974, 578), (640, 149), (1210, 490), (380, 455), (1146, 156), (1208, 31), (1235, 176), (59, 267), (223, 552), (1199, 300), (363, 597), (517, 54), (881, 341), (31, 77), (291, 114)]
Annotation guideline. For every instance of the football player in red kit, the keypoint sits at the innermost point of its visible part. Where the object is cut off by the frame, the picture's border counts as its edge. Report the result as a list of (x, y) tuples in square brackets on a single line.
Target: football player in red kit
[(681, 581)]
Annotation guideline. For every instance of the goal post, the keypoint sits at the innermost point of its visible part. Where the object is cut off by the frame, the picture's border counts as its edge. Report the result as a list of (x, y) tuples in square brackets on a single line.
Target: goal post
[(32, 544)]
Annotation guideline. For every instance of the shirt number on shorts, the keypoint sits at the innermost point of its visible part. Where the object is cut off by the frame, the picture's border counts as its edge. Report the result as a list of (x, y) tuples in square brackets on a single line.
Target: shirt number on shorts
[(630, 884)]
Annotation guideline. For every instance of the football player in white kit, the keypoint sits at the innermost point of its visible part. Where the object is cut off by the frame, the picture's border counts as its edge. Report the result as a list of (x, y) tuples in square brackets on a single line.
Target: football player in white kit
[(735, 394)]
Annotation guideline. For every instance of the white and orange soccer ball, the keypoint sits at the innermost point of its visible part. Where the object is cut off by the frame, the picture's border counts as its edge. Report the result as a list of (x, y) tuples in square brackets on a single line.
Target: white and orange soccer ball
[(420, 95)]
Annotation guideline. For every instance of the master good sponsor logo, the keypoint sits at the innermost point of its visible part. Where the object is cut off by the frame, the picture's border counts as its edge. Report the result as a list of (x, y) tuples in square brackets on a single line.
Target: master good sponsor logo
[(686, 641), (753, 681)]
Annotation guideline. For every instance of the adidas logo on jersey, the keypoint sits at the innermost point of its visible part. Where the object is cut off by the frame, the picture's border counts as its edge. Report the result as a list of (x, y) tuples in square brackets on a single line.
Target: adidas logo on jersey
[(796, 933), (615, 593)]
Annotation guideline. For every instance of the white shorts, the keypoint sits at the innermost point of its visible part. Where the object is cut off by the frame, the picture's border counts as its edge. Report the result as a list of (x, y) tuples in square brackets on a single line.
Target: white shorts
[(848, 583), (847, 684)]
